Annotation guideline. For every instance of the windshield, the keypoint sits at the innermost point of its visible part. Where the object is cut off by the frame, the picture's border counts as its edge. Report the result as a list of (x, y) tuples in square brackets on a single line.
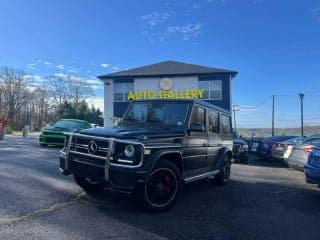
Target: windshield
[(164, 114), (69, 125)]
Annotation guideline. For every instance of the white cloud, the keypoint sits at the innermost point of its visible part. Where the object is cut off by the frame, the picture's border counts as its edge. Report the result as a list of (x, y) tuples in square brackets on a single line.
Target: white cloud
[(72, 70), (38, 79), (316, 13), (105, 65), (31, 65), (60, 66), (95, 87), (93, 81), (97, 102), (47, 63), (188, 31), (60, 75), (155, 18), (115, 68)]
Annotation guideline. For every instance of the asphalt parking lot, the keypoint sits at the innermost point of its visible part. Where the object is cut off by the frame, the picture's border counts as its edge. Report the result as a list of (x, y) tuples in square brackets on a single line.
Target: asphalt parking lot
[(262, 201)]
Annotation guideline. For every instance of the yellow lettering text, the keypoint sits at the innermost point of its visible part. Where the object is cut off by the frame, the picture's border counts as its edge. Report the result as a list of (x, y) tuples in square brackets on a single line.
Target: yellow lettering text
[(152, 94), (170, 94), (194, 93), (201, 93), (131, 96)]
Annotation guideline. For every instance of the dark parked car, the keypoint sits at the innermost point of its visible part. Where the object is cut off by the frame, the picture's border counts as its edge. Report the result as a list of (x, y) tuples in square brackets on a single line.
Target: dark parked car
[(312, 167), (300, 153), (255, 143), (157, 147), (240, 150), (266, 145)]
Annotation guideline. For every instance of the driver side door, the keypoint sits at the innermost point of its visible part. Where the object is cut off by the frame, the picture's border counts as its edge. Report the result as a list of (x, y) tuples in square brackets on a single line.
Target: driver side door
[(195, 153)]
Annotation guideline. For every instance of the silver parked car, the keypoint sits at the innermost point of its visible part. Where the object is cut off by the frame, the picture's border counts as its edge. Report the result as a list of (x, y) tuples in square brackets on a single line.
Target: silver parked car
[(300, 153), (282, 150)]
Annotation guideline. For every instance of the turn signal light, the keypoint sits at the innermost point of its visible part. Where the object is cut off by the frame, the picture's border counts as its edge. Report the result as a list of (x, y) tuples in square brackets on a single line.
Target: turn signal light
[(307, 149)]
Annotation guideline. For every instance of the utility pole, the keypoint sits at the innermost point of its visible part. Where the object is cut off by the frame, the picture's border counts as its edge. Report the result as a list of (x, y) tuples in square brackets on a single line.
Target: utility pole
[(234, 118), (301, 95), (272, 133)]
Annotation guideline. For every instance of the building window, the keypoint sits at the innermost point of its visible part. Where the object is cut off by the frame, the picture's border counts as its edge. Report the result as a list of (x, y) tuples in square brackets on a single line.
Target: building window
[(121, 91), (212, 89)]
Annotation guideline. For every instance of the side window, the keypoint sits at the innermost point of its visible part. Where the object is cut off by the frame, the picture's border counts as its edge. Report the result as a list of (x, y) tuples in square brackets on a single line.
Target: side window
[(213, 122), (198, 116), (225, 124)]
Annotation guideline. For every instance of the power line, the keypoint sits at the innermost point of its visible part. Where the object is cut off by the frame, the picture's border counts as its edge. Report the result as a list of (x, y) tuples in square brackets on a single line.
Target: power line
[(253, 107)]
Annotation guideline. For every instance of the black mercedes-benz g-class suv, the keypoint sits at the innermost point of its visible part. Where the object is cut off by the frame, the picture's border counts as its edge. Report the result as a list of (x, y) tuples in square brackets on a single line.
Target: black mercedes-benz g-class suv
[(158, 146)]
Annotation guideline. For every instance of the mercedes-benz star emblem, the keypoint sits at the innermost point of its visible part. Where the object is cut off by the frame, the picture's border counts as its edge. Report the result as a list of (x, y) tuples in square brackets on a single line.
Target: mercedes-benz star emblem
[(92, 147)]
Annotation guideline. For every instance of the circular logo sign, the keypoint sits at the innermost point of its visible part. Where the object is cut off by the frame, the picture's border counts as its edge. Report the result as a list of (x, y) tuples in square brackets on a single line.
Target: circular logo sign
[(165, 84)]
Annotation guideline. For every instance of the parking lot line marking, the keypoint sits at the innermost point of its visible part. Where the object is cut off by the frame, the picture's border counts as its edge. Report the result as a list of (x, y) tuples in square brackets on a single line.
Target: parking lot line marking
[(45, 210)]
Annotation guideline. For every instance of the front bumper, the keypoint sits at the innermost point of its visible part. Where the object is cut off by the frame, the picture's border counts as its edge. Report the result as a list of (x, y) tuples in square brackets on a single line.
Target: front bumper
[(240, 154), (52, 139), (312, 174), (117, 177), (277, 154), (101, 168)]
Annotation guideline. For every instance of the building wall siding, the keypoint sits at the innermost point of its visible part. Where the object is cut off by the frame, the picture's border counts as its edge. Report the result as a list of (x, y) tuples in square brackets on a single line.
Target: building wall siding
[(120, 107)]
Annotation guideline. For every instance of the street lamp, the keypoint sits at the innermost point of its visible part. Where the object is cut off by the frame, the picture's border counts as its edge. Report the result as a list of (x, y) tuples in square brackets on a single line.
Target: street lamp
[(301, 95)]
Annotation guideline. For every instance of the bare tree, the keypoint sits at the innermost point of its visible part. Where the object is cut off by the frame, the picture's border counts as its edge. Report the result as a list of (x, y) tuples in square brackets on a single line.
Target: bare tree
[(62, 88), (15, 92), (24, 100), (79, 89)]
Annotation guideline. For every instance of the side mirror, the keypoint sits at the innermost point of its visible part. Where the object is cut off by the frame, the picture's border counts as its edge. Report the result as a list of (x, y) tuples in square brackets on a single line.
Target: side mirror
[(196, 127)]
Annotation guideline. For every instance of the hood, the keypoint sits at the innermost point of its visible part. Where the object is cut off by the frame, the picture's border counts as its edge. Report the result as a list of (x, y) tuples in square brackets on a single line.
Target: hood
[(133, 133), (58, 129), (239, 141)]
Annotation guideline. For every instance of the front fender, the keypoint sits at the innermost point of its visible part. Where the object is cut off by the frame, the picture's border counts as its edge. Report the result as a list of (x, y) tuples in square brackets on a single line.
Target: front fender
[(157, 155), (220, 157)]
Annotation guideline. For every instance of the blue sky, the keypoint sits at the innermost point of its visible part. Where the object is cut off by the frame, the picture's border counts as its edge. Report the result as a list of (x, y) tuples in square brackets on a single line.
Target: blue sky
[(274, 45)]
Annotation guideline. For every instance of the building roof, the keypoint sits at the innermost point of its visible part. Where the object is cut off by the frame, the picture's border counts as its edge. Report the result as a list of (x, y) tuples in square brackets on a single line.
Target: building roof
[(168, 68)]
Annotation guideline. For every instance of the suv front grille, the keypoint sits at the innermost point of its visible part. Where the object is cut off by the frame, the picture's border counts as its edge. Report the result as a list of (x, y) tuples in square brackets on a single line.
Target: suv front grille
[(82, 145), (89, 149)]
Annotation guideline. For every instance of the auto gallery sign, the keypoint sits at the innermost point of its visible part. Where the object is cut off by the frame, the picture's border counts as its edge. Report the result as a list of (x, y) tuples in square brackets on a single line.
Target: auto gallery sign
[(166, 92), (163, 94)]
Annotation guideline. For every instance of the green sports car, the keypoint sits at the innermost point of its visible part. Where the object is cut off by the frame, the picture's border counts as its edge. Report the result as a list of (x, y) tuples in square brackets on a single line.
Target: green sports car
[(53, 134)]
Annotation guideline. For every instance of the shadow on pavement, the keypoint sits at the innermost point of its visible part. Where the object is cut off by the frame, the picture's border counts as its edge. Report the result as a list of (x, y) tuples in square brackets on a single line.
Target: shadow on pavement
[(239, 210)]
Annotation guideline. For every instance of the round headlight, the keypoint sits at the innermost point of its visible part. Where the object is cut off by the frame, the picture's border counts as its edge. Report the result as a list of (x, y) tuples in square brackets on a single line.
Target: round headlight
[(129, 150)]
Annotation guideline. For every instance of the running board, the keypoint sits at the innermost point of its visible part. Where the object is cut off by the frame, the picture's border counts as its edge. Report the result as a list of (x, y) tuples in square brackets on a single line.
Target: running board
[(201, 176)]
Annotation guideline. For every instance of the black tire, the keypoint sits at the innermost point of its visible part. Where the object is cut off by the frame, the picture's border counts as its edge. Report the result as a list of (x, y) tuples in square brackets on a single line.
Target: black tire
[(160, 192), (43, 145), (93, 189), (223, 177)]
